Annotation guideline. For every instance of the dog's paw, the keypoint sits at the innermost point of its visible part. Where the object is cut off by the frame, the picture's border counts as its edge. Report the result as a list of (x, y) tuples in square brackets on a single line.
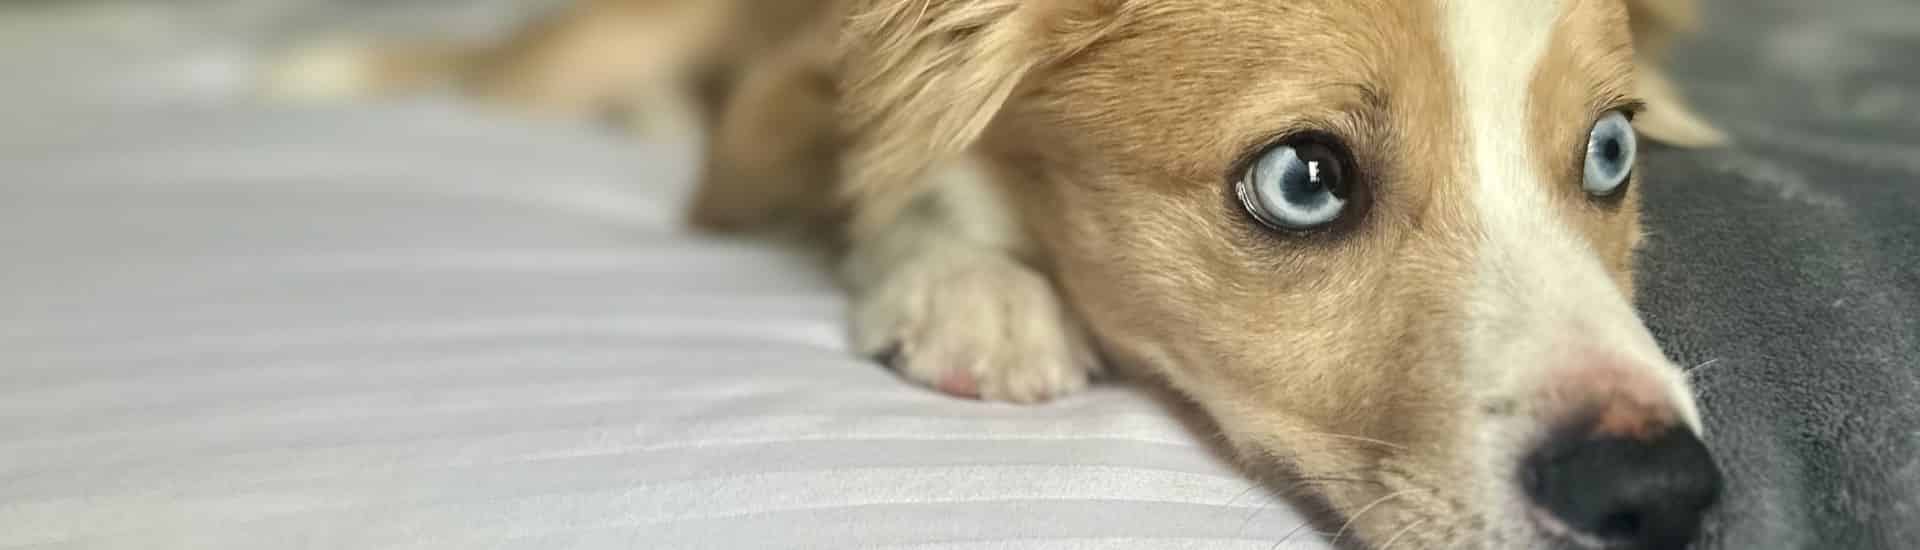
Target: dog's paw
[(975, 325)]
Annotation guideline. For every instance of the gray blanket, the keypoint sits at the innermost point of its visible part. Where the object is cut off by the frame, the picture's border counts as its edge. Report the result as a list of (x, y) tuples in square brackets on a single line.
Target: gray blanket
[(1788, 268)]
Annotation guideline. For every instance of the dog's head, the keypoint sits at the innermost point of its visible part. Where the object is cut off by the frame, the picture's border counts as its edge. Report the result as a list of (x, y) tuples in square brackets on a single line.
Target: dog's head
[(1387, 244)]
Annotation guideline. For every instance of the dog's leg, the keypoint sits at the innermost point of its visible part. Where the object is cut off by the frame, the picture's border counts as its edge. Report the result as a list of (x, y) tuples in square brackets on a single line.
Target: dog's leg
[(636, 58), (773, 153), (940, 296)]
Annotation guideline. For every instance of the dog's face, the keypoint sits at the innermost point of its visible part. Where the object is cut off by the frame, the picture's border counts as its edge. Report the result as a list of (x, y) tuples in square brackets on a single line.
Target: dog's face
[(1388, 244)]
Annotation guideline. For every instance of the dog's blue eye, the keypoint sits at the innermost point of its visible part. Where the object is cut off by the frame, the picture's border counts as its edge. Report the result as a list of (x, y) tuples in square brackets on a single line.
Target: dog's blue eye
[(1298, 185), (1610, 155)]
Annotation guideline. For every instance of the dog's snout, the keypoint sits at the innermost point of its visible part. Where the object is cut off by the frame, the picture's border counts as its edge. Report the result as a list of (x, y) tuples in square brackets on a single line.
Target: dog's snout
[(1637, 492)]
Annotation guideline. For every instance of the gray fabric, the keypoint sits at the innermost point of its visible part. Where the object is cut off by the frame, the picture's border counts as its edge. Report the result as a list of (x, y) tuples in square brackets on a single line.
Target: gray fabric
[(1789, 267), (416, 326)]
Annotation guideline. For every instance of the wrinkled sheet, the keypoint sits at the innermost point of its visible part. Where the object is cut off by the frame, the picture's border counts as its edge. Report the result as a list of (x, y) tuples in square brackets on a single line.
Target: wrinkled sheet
[(422, 325)]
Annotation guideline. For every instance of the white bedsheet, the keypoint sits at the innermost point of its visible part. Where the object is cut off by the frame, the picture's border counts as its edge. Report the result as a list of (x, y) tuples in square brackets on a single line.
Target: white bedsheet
[(421, 326)]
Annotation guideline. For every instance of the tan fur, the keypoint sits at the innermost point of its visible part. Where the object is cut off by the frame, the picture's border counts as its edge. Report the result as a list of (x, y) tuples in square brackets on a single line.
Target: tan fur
[(1327, 356), (1656, 25), (1310, 351), (923, 78), (588, 58), (1601, 59), (1023, 182), (591, 58), (777, 144)]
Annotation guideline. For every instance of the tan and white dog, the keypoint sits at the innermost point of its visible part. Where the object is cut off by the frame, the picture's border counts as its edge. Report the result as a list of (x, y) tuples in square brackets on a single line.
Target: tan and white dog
[(1387, 245)]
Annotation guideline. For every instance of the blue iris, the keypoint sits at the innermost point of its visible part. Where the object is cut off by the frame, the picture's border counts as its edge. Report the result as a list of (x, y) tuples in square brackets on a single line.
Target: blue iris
[(1296, 186), (1610, 155)]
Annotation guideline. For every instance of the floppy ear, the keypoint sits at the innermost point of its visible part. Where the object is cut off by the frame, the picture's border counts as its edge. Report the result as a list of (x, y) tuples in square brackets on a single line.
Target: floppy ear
[(921, 80), (1668, 118)]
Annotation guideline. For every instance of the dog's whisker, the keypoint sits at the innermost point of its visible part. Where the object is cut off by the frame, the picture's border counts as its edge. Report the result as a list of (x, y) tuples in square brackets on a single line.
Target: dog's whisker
[(1249, 519), (1362, 439), (1694, 371), (1402, 532), (1251, 487), (1303, 482), (1297, 484), (1368, 508), (1289, 536)]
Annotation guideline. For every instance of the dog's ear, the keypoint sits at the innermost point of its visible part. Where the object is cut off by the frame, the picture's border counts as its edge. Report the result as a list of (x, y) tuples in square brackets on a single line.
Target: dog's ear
[(1668, 119), (921, 80)]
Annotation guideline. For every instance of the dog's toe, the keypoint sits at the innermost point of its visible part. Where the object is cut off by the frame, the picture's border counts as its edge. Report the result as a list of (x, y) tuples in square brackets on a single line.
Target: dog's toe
[(989, 328), (959, 383)]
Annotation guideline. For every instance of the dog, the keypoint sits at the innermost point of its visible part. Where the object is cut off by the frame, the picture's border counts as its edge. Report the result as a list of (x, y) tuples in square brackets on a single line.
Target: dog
[(1386, 245)]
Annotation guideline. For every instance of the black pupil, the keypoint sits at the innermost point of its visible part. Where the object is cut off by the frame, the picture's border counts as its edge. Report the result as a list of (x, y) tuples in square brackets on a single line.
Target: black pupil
[(1319, 174), (1611, 151)]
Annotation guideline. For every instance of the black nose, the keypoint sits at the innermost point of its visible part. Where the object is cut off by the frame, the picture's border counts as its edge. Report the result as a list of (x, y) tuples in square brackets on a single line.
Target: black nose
[(1638, 493)]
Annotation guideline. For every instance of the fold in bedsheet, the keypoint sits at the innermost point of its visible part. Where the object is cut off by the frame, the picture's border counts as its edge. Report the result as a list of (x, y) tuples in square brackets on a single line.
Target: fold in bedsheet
[(414, 327)]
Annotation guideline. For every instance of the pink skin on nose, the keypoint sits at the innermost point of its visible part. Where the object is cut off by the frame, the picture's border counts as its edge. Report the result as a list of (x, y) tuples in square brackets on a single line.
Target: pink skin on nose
[(1624, 399)]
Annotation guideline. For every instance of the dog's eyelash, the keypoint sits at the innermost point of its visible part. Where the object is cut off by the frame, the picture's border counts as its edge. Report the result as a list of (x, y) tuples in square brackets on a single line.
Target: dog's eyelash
[(1248, 155), (1629, 106)]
